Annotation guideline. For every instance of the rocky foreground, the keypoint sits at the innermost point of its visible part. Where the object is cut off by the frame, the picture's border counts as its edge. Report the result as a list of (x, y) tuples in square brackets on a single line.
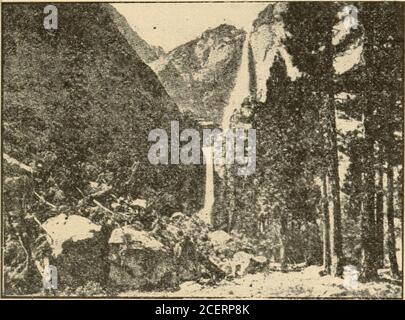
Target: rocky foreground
[(177, 250), (169, 262)]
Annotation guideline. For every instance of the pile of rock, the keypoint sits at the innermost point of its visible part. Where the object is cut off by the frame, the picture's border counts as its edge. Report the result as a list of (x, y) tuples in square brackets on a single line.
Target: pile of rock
[(177, 249)]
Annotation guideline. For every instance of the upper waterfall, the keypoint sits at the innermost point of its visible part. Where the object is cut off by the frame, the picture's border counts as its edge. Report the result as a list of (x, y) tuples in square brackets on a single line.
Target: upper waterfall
[(241, 87)]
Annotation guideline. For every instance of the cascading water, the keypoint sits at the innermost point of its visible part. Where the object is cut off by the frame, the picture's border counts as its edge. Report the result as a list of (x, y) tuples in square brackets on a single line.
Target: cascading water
[(241, 88), (238, 94), (206, 213)]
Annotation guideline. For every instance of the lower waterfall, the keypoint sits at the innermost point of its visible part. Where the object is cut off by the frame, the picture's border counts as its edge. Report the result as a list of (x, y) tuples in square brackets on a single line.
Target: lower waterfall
[(206, 213)]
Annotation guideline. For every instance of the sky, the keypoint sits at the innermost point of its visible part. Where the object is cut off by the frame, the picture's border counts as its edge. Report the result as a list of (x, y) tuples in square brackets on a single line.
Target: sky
[(171, 24)]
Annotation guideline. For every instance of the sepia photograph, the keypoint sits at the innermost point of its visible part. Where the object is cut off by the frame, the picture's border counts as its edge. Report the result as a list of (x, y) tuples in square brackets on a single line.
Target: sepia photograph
[(202, 150)]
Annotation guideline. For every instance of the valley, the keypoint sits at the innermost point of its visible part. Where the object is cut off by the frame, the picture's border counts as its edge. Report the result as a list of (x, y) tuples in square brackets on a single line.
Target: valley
[(108, 177)]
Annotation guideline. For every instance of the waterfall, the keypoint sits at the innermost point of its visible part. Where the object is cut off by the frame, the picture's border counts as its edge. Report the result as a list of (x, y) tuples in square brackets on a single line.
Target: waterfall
[(241, 89), (238, 94), (206, 213)]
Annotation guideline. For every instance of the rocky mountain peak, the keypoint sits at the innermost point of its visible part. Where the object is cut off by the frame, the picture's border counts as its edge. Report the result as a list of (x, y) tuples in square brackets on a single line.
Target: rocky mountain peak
[(222, 30), (200, 74)]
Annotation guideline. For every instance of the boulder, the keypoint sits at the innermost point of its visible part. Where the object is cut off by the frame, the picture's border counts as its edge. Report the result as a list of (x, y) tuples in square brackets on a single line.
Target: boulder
[(139, 261), (243, 263), (219, 238), (240, 263), (78, 250), (257, 264), (222, 264), (136, 239), (139, 202), (178, 216)]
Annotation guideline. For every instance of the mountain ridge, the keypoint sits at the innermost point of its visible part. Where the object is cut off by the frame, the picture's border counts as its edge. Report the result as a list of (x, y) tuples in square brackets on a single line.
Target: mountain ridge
[(200, 74)]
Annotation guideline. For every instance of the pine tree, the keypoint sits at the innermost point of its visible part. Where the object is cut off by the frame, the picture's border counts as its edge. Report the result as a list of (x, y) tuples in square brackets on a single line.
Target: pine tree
[(377, 84), (379, 207), (287, 147), (310, 45)]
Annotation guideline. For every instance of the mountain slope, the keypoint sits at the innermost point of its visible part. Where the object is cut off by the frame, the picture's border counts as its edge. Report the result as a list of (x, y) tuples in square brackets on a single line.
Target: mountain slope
[(82, 102), (146, 52)]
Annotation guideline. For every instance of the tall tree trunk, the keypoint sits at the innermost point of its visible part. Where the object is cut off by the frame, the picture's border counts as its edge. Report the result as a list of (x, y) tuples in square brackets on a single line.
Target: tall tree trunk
[(400, 188), (336, 244), (283, 240), (380, 215), (390, 220), (357, 195), (328, 117), (333, 164), (368, 227), (327, 260)]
